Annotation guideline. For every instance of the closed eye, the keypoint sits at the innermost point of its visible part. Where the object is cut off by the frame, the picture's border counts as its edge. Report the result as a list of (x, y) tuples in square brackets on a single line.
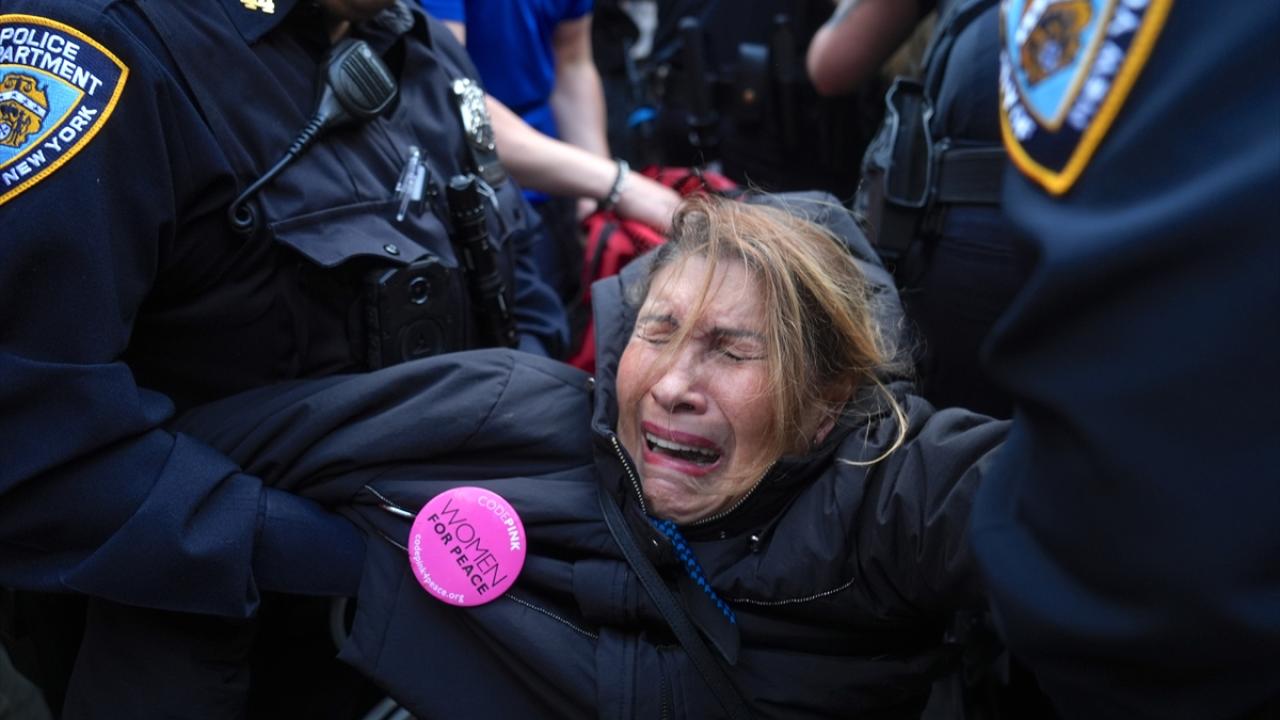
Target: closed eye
[(656, 329), (738, 346), (739, 357), (654, 339)]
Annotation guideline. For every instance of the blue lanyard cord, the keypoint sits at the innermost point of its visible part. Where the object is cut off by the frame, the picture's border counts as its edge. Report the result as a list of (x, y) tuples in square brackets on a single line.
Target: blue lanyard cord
[(668, 528)]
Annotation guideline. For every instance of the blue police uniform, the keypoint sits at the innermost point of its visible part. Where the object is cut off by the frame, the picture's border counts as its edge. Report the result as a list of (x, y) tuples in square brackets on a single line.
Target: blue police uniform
[(1129, 535), (126, 129)]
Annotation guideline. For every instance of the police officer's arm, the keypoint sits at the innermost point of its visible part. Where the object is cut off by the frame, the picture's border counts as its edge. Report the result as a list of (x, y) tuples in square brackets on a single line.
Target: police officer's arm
[(95, 496), (860, 36), (578, 98), (558, 168)]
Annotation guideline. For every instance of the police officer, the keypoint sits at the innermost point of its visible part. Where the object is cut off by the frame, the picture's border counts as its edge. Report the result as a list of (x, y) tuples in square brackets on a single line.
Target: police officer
[(171, 236), (1129, 535), (930, 185)]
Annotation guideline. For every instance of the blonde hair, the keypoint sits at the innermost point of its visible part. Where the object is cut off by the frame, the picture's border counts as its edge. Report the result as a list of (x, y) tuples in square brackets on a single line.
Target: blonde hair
[(823, 341)]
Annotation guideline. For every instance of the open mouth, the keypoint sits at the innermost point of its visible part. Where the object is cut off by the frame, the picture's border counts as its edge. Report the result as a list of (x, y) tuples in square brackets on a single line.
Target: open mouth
[(686, 453)]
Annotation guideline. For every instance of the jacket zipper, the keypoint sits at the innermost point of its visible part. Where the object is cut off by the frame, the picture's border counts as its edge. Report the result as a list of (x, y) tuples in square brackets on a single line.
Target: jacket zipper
[(664, 691), (793, 601), (553, 616), (631, 472), (635, 485)]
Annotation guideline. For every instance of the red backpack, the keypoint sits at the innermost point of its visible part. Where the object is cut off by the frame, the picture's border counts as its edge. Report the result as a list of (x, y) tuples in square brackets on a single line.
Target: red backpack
[(612, 242)]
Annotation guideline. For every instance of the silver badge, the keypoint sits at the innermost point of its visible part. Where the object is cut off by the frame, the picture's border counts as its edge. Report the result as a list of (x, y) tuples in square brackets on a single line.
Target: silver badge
[(479, 131), (475, 118)]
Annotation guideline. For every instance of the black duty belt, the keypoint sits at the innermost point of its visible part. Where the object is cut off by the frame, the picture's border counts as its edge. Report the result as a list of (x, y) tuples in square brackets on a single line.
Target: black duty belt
[(969, 176), (953, 176)]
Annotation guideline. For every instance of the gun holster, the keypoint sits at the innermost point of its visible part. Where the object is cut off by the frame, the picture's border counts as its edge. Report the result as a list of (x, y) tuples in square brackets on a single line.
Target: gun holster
[(897, 171), (909, 179)]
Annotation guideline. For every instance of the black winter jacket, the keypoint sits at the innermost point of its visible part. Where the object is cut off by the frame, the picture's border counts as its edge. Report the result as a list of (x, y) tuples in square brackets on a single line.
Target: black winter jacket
[(841, 576)]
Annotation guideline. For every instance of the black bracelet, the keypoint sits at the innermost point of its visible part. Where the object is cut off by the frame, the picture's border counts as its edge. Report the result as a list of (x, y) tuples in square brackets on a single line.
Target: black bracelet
[(615, 192)]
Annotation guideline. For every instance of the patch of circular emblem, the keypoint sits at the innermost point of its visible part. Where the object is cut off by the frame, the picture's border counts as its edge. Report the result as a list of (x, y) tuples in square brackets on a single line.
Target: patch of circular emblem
[(57, 88), (1066, 67), (467, 546)]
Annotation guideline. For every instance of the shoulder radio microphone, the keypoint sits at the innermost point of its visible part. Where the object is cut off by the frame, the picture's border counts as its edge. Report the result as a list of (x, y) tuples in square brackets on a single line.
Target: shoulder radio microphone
[(355, 86)]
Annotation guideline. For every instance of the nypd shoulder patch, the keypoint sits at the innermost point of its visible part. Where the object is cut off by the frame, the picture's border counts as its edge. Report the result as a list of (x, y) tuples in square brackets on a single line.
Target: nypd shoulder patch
[(1066, 67), (57, 89)]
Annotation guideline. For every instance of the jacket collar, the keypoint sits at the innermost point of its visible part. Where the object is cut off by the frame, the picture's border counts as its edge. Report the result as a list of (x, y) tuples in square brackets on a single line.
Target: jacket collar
[(256, 18), (614, 316)]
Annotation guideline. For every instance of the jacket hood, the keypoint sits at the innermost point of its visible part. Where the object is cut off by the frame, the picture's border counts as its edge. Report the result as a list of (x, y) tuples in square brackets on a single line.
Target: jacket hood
[(615, 303)]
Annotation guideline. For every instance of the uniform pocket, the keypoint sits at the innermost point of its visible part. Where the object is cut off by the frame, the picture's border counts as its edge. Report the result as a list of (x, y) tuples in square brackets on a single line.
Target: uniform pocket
[(372, 291), (368, 230)]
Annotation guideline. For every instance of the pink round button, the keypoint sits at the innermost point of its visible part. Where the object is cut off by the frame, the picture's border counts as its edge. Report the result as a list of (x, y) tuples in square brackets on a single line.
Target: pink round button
[(467, 546)]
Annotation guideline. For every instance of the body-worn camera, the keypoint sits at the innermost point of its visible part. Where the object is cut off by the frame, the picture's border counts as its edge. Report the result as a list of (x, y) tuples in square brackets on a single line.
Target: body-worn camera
[(409, 313)]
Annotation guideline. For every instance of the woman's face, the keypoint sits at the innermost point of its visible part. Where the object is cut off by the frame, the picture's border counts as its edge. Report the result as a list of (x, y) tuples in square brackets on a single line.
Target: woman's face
[(697, 422)]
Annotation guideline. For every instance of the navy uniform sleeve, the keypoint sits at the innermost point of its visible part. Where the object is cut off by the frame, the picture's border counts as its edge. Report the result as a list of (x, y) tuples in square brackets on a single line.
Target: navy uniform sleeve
[(95, 497), (1129, 536)]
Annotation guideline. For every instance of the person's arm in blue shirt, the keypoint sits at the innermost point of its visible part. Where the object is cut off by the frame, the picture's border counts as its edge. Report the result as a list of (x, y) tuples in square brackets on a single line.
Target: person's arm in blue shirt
[(558, 168), (577, 101)]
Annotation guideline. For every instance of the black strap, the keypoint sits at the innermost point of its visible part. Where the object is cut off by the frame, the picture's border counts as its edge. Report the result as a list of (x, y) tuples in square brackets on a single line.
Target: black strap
[(970, 176), (704, 661)]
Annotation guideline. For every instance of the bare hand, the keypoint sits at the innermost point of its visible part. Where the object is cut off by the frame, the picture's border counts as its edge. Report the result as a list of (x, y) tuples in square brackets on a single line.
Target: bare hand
[(647, 201)]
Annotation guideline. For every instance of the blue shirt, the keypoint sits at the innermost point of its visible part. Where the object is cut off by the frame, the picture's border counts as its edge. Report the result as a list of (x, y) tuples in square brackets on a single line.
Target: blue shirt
[(510, 42)]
